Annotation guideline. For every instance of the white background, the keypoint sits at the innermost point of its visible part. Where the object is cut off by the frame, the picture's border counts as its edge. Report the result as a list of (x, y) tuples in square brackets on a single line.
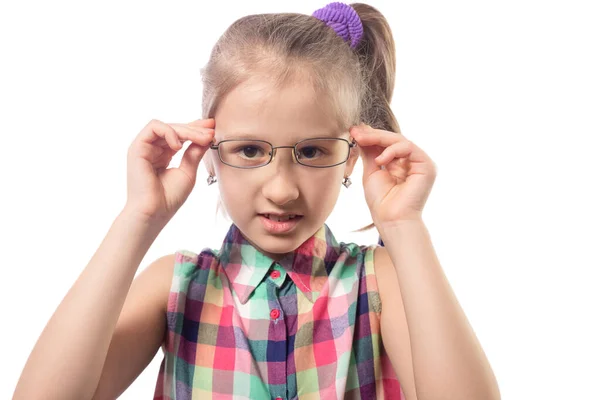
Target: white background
[(504, 96)]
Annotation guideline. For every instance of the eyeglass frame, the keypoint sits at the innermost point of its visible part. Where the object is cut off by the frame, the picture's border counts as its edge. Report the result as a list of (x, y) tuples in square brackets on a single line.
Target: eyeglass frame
[(215, 146)]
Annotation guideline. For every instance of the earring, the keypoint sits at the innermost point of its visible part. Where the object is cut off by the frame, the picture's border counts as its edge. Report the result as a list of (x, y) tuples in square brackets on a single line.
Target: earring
[(346, 182), (211, 179)]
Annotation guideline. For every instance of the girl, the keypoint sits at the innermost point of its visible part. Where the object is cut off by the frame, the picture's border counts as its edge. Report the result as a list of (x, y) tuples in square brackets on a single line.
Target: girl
[(281, 310)]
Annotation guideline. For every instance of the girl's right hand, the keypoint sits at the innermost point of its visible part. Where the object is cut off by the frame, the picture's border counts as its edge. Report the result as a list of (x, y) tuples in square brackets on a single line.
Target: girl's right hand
[(153, 191)]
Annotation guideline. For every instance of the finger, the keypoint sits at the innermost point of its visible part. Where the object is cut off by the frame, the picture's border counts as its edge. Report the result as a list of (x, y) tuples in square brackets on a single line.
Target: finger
[(368, 155), (163, 160), (150, 151), (396, 150), (173, 140), (161, 143), (154, 131), (201, 136), (208, 123), (191, 159), (405, 149), (174, 134), (406, 158)]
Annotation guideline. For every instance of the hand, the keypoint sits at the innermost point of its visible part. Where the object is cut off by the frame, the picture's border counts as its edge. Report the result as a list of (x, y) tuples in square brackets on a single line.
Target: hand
[(398, 175), (153, 191)]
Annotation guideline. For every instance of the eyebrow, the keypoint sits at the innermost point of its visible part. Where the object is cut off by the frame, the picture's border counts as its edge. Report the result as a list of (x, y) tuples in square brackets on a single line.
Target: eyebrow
[(253, 136)]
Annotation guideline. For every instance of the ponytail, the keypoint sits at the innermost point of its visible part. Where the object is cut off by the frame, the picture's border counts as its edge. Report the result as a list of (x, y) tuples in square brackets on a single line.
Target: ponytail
[(377, 54)]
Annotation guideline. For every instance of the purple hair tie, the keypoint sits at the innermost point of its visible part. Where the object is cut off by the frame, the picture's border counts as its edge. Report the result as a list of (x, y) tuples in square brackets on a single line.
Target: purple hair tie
[(344, 20)]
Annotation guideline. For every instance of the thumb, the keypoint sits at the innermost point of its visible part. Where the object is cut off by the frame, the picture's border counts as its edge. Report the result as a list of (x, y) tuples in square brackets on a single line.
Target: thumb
[(368, 155), (191, 159)]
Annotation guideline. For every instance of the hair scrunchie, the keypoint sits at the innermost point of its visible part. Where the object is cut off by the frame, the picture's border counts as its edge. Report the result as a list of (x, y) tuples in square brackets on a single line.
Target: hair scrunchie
[(343, 19)]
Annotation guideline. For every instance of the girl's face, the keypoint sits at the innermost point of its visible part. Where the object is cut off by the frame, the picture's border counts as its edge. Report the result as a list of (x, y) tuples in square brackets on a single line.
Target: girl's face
[(282, 117)]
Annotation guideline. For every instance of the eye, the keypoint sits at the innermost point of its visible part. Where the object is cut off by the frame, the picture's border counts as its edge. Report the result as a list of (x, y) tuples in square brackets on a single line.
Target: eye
[(250, 151), (308, 152)]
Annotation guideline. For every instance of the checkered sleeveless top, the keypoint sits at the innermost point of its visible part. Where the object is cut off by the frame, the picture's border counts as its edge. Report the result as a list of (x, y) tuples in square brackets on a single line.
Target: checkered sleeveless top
[(242, 326)]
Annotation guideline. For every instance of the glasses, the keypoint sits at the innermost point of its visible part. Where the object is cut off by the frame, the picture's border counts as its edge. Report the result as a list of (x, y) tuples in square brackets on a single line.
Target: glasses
[(316, 152)]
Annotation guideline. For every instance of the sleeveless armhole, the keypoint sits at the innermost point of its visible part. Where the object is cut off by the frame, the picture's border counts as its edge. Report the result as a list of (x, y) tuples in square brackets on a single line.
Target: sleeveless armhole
[(371, 279), (388, 385), (185, 264), (188, 272), (189, 266)]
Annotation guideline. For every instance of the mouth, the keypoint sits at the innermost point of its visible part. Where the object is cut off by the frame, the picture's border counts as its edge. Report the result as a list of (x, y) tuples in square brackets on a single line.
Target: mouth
[(281, 217), (280, 223)]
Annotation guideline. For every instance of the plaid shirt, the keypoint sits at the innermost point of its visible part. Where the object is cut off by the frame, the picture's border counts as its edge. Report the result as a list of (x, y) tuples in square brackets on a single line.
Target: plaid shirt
[(241, 326)]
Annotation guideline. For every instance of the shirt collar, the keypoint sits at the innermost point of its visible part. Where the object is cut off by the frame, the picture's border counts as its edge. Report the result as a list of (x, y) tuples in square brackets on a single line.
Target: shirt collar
[(308, 266)]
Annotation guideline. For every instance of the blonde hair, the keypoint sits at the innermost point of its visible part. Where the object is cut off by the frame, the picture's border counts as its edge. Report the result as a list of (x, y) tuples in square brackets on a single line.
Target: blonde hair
[(288, 47)]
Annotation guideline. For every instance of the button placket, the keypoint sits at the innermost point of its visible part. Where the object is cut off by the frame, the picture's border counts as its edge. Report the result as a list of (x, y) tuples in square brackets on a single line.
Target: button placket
[(277, 335)]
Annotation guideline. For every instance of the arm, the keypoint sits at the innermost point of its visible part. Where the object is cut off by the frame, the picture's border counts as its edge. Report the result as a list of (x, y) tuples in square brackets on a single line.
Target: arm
[(73, 346), (394, 330), (447, 359), (140, 330)]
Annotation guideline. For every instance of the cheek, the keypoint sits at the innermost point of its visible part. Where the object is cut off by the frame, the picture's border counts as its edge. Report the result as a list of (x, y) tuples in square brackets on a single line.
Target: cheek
[(233, 185), (323, 189), (326, 178), (237, 190)]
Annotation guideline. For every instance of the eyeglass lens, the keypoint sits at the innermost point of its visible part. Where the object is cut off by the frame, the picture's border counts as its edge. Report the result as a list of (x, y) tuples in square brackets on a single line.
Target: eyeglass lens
[(321, 152)]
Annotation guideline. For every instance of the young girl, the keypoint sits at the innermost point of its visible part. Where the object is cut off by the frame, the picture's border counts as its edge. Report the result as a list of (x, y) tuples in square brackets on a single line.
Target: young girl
[(282, 310)]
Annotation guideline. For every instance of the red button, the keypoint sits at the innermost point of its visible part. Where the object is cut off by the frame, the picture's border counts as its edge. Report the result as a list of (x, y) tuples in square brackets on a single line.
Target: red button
[(279, 398), (275, 274), (274, 313)]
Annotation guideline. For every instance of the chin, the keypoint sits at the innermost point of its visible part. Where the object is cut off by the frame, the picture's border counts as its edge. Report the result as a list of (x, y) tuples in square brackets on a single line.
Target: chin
[(280, 244)]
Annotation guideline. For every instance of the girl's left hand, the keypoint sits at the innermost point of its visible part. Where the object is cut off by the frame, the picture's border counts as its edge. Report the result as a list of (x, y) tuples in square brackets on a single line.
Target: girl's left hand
[(398, 175)]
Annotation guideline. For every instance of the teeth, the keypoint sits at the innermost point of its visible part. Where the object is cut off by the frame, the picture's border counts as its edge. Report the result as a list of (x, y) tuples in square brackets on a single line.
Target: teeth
[(280, 219)]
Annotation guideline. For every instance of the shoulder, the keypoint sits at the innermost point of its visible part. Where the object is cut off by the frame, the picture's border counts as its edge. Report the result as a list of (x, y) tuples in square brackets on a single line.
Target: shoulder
[(185, 262), (162, 272), (382, 263), (379, 276), (369, 260), (155, 280), (379, 263), (385, 273), (159, 270), (374, 258)]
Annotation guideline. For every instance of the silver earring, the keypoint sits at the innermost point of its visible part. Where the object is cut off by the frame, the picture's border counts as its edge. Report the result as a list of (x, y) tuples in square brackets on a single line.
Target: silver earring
[(346, 182), (211, 179)]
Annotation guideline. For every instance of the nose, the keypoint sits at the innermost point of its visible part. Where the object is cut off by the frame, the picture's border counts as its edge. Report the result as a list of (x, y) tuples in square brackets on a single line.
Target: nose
[(280, 185)]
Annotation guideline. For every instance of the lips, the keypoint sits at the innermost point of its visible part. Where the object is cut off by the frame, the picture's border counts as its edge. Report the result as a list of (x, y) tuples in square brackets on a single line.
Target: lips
[(280, 223), (281, 217)]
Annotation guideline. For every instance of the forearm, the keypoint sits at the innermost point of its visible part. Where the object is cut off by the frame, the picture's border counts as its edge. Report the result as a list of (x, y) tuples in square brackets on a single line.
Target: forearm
[(68, 357), (448, 361)]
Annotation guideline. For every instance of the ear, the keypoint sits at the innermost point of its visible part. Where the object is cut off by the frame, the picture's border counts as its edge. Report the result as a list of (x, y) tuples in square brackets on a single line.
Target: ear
[(209, 163), (354, 155)]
